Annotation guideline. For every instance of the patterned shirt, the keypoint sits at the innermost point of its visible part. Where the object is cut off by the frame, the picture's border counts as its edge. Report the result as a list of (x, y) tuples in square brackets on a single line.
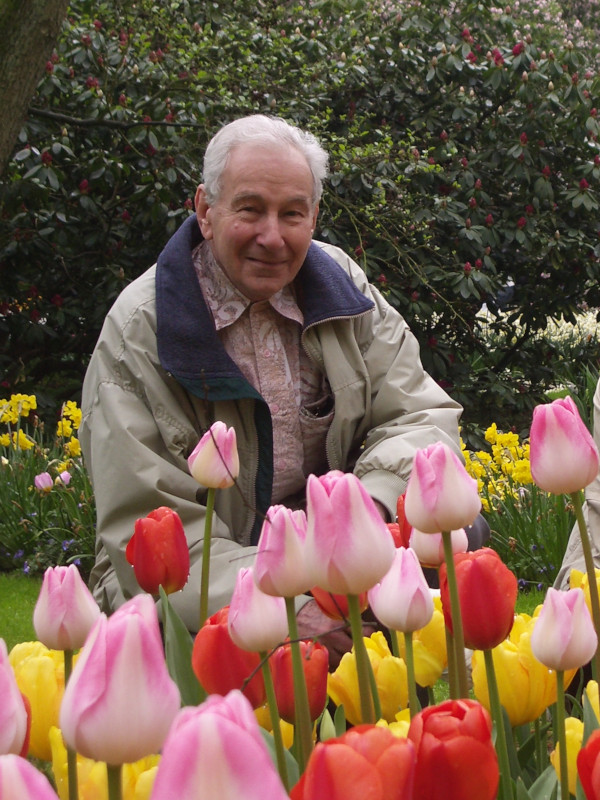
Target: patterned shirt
[(263, 339)]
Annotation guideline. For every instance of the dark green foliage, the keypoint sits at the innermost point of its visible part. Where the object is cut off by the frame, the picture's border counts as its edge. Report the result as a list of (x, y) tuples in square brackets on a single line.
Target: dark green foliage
[(464, 160)]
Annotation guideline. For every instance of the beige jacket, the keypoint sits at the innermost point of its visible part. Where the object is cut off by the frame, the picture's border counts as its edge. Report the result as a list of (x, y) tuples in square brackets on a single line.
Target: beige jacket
[(159, 378)]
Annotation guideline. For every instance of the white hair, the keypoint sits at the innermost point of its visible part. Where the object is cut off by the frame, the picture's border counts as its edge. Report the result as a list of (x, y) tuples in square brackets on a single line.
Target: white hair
[(263, 130)]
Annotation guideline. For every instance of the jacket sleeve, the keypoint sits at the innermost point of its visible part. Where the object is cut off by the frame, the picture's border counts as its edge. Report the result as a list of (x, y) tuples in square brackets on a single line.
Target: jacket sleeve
[(406, 410), (136, 433)]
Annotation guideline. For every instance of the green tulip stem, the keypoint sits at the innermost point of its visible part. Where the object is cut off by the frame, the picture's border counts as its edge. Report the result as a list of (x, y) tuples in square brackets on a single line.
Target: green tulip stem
[(71, 754), (541, 752), (561, 736), (576, 499), (275, 720), (363, 665), (505, 792), (452, 671), (205, 575), (457, 627), (113, 774), (303, 723), (413, 701)]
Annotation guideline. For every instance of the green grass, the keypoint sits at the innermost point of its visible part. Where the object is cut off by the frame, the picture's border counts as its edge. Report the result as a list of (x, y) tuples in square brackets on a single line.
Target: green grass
[(18, 595)]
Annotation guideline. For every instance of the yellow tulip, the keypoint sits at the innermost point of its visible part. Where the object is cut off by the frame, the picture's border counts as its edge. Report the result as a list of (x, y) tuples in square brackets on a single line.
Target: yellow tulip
[(390, 677), (526, 686), (593, 698), (429, 648), (263, 717), (136, 779), (40, 675), (399, 727), (574, 737)]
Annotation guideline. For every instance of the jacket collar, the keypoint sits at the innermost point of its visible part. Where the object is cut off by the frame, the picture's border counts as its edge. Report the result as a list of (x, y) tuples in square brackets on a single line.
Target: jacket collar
[(188, 345)]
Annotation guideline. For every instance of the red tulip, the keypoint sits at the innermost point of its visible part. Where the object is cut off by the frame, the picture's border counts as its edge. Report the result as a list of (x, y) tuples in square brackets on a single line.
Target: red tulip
[(487, 592), (315, 661), (455, 753), (401, 529), (588, 766), (158, 551), (365, 762), (220, 665), (335, 606)]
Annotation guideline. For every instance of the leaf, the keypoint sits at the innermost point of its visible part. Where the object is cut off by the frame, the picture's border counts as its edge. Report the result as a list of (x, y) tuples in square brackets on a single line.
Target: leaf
[(293, 770), (178, 653), (545, 787)]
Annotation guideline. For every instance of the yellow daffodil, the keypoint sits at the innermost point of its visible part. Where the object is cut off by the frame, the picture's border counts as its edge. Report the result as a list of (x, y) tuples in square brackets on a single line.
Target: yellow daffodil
[(429, 648), (20, 441), (136, 781), (574, 738), (390, 677), (72, 412), (525, 685), (40, 675), (72, 447), (64, 428)]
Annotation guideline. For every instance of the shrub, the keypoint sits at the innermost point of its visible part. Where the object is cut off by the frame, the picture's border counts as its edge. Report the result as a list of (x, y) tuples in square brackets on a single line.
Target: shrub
[(465, 168)]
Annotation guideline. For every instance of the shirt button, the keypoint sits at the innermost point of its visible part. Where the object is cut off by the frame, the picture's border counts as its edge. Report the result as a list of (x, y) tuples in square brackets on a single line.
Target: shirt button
[(267, 353), (274, 408)]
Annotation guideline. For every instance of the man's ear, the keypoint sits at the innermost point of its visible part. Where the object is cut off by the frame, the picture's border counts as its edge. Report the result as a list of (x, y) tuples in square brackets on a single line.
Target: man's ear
[(202, 209)]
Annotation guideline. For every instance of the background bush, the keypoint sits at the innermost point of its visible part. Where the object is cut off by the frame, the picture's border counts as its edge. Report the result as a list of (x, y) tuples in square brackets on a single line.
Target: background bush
[(464, 170)]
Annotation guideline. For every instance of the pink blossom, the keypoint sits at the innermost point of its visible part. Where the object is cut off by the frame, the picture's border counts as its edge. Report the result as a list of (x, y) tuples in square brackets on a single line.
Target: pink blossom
[(214, 462), (564, 636), (280, 565), (65, 611), (257, 621), (402, 600)]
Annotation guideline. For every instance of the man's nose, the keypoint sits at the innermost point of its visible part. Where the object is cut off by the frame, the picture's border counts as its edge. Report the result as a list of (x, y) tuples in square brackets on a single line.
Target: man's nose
[(269, 231)]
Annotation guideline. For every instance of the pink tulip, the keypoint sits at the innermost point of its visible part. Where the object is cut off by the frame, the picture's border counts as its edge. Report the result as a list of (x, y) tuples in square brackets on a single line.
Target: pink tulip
[(429, 547), (216, 750), (402, 600), (563, 455), (564, 636), (120, 701), (14, 722), (257, 621), (65, 477), (214, 462), (440, 495), (20, 780), (65, 610), (348, 545), (280, 566), (43, 482)]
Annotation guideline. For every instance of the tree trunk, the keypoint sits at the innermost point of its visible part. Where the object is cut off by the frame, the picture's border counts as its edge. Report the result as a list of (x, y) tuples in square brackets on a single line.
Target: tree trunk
[(28, 32)]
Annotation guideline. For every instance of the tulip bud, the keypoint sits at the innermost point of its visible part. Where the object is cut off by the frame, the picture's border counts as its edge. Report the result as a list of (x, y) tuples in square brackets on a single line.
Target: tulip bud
[(14, 717), (120, 700), (440, 495), (366, 761), (429, 547), (348, 545), (564, 636), (402, 600), (217, 750), (221, 666), (43, 482), (315, 663), (158, 551), (563, 455), (65, 611), (257, 621), (20, 780), (214, 462), (487, 593), (280, 566), (454, 739)]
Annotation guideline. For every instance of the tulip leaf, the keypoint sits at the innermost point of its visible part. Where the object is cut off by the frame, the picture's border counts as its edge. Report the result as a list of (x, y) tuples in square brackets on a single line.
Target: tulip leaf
[(291, 764), (590, 721), (326, 728), (546, 786), (522, 793), (339, 720), (178, 654)]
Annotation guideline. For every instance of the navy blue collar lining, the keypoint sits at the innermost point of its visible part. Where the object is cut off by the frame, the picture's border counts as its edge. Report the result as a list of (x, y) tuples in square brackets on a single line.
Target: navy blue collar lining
[(188, 345)]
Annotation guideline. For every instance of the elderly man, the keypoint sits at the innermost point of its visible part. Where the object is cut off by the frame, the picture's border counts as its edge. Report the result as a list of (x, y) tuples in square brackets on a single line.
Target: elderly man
[(245, 319)]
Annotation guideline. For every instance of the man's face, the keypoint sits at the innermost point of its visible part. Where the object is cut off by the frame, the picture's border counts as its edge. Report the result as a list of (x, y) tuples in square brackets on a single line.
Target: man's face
[(261, 226)]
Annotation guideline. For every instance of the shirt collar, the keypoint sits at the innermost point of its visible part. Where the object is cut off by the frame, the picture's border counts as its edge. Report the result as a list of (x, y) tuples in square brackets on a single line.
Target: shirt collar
[(225, 301)]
